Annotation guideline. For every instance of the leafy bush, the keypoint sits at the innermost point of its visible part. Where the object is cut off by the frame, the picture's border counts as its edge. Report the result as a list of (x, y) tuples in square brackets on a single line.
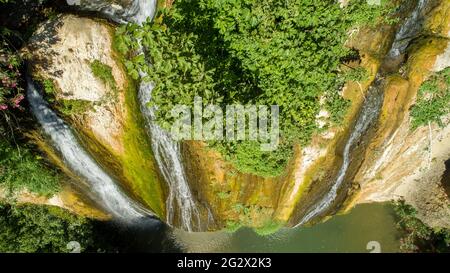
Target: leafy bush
[(247, 157), (284, 53), (29, 228), (433, 100), (11, 93), (19, 170)]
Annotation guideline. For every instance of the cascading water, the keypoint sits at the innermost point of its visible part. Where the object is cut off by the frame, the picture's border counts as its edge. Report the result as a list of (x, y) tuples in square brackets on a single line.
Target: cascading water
[(168, 156), (137, 11), (369, 113), (102, 186), (408, 30), (371, 108), (167, 152)]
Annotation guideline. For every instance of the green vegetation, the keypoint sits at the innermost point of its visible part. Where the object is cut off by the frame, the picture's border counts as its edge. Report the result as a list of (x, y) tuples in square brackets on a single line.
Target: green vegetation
[(49, 87), (138, 160), (30, 229), (419, 237), (433, 100), (20, 169), (246, 215), (73, 107), (270, 227), (104, 73), (223, 195), (232, 226), (67, 107), (285, 53), (11, 92)]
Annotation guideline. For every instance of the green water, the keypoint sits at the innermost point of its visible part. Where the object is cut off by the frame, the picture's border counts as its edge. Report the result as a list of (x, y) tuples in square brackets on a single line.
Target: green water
[(344, 233)]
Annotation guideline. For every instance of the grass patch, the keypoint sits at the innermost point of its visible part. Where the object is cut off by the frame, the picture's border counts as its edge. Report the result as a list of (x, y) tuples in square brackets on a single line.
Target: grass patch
[(21, 170)]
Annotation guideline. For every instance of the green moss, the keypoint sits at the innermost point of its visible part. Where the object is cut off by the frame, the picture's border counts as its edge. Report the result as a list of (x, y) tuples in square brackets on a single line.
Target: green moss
[(223, 195), (247, 157), (104, 73), (232, 226), (73, 107), (138, 161), (139, 165), (269, 228)]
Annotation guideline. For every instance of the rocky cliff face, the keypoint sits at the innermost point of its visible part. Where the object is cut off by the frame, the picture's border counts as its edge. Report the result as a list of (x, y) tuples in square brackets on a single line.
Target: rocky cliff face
[(406, 163), (389, 162), (74, 60), (285, 199)]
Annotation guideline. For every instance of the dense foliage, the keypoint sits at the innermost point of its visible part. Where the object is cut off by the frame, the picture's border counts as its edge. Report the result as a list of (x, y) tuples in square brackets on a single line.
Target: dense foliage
[(433, 100), (11, 92), (285, 53), (31, 229), (419, 237), (20, 169)]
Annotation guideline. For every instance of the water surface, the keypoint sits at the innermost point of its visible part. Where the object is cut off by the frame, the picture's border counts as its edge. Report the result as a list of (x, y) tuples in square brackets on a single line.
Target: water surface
[(343, 233)]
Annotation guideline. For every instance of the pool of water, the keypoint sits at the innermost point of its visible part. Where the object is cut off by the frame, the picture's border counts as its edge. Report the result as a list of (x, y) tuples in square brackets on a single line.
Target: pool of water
[(343, 233)]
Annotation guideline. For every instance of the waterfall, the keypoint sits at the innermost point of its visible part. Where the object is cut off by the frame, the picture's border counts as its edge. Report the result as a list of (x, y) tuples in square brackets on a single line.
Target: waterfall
[(370, 109), (167, 152), (102, 187), (137, 11), (168, 156), (408, 30), (369, 113)]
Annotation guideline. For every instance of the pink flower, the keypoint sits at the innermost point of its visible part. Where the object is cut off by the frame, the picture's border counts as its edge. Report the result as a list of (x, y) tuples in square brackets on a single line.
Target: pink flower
[(3, 107), (15, 101), (13, 85)]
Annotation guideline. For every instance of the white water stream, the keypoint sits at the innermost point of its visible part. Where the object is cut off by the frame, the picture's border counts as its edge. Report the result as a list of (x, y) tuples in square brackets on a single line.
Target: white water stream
[(166, 151), (101, 186), (371, 108)]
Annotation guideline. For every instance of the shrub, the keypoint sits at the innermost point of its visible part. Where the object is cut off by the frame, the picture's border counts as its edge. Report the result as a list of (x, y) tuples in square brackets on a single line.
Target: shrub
[(30, 228), (433, 100), (11, 92), (284, 53), (20, 169)]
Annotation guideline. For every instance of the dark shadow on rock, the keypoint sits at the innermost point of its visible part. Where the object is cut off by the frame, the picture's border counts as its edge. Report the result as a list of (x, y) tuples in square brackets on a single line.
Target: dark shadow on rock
[(145, 235)]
